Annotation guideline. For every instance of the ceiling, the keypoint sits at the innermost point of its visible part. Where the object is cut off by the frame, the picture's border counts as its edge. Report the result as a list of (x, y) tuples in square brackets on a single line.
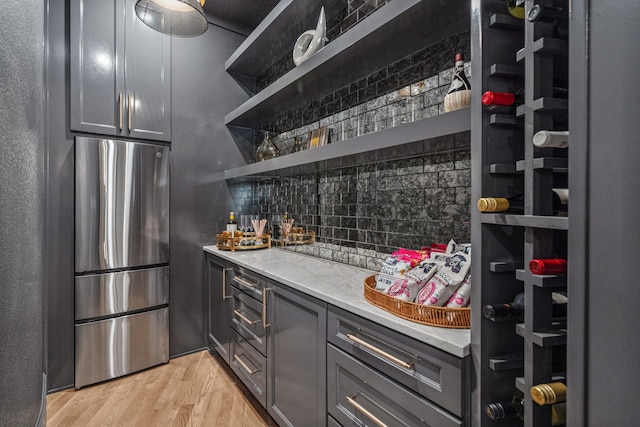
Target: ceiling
[(242, 15)]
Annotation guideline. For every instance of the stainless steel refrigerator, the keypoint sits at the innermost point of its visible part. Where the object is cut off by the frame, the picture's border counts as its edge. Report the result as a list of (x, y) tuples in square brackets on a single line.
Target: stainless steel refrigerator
[(121, 258)]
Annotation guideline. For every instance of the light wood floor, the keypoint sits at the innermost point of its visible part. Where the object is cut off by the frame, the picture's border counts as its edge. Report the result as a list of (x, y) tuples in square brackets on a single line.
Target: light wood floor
[(192, 390)]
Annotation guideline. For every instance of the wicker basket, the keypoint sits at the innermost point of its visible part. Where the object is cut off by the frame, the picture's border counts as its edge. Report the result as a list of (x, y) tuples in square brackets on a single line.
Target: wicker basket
[(444, 317)]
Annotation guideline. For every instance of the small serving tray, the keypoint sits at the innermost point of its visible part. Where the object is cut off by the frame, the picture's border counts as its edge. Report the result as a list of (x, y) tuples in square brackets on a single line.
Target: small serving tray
[(242, 243)]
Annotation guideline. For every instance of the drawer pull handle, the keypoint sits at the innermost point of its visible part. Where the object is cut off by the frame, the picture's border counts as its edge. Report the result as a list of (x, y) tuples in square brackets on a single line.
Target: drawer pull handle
[(265, 325), (224, 282), (245, 318), (390, 358), (359, 407), (244, 282), (244, 365)]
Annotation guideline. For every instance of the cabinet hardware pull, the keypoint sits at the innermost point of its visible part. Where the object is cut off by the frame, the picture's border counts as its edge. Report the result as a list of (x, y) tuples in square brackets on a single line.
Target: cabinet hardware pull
[(243, 317), (224, 282), (390, 358), (245, 282), (265, 325), (129, 105), (244, 365), (120, 111), (359, 407)]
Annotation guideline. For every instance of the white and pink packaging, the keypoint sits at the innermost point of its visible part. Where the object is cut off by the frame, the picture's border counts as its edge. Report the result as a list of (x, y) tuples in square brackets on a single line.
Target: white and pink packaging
[(462, 295), (446, 281), (407, 287)]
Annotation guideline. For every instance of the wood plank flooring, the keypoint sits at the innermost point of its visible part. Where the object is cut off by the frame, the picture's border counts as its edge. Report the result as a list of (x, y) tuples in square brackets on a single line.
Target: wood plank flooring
[(192, 390)]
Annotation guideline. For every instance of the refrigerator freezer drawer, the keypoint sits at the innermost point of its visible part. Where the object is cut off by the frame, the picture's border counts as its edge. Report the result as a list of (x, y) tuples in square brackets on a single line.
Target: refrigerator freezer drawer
[(114, 347), (122, 204), (115, 293)]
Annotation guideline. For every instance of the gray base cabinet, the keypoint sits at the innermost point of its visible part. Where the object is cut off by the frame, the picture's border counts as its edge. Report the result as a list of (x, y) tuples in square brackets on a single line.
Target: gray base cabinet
[(296, 374), (438, 376), (312, 364), (218, 276), (250, 366), (359, 395)]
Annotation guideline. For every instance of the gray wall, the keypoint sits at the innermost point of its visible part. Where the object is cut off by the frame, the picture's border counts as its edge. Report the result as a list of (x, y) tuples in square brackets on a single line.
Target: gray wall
[(202, 93), (60, 196), (612, 148), (22, 203)]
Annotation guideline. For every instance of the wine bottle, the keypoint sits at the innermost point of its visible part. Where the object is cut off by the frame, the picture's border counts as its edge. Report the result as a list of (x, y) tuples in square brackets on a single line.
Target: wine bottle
[(546, 14), (516, 8), (547, 394), (506, 99), (513, 99), (515, 308), (515, 409), (232, 225), (556, 16), (550, 138), (459, 94), (515, 204), (548, 266)]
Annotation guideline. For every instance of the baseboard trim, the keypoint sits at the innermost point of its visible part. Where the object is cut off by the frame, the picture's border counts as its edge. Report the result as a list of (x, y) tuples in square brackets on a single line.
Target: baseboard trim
[(42, 414)]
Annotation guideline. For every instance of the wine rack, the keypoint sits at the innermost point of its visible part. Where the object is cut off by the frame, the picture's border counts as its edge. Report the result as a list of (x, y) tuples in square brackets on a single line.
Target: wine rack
[(511, 54)]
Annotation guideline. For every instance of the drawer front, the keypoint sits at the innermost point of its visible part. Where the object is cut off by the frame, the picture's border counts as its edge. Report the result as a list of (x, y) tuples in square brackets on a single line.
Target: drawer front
[(428, 371), (118, 346), (358, 395), (245, 317), (107, 294), (250, 366), (248, 282)]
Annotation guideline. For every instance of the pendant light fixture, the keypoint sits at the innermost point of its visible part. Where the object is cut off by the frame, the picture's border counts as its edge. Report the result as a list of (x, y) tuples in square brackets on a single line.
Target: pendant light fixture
[(184, 18)]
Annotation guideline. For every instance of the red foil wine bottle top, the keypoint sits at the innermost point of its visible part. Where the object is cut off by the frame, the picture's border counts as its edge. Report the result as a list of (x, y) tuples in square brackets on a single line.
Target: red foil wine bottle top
[(498, 98), (459, 57), (548, 266)]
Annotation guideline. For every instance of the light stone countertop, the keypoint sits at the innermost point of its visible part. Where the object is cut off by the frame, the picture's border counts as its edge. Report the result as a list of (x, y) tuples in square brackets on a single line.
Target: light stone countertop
[(342, 286)]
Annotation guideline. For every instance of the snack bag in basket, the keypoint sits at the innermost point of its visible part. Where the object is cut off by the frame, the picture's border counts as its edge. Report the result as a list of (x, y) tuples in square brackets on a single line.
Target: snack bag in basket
[(462, 295), (453, 247), (407, 288), (397, 265), (446, 281)]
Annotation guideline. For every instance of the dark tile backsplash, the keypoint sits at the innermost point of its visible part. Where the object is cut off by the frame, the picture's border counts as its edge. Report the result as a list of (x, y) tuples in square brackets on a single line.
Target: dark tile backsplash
[(364, 212)]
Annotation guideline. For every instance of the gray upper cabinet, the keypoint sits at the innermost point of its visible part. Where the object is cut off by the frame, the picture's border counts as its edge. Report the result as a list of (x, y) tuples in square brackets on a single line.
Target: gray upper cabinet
[(120, 72)]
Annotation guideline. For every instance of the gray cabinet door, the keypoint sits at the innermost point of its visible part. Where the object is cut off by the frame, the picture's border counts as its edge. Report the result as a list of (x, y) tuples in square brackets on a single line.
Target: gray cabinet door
[(147, 79), (296, 362), (120, 72), (219, 276), (96, 57)]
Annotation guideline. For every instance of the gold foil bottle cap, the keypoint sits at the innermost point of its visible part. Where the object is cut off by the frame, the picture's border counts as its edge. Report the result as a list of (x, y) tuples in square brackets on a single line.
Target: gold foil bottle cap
[(493, 204), (544, 394)]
